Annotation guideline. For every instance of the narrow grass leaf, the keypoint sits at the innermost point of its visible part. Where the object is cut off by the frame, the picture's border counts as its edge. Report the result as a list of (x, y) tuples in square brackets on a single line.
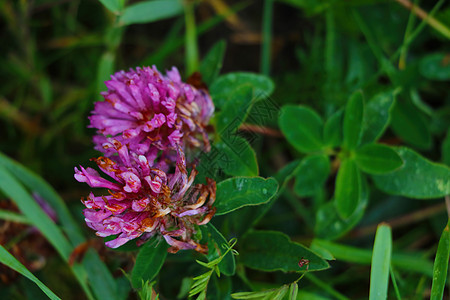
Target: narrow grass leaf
[(441, 265), (100, 278), (10, 261), (69, 225), (31, 210), (238, 192), (39, 185), (381, 260), (29, 207), (13, 217), (408, 262)]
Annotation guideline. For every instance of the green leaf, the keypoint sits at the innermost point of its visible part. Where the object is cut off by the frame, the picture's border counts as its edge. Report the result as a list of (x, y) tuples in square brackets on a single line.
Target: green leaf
[(302, 127), (332, 131), (377, 159), (115, 6), (348, 188), (272, 251), (238, 157), (330, 225), (311, 175), (418, 177), (238, 192), (409, 124), (150, 11), (225, 86), (353, 119), (446, 149), (149, 261), (215, 242), (212, 63), (381, 260), (377, 115), (441, 265), (234, 111), (435, 67), (324, 253), (10, 261), (99, 276)]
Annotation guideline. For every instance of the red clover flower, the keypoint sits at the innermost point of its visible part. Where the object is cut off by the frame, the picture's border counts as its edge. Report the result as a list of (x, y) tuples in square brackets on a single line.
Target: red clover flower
[(144, 200), (151, 112), (144, 127)]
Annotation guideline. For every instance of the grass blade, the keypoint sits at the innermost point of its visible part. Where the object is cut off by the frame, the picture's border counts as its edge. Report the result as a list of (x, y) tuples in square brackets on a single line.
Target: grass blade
[(9, 260), (13, 217), (409, 262), (29, 207), (191, 46), (441, 265), (37, 184), (381, 260), (69, 225)]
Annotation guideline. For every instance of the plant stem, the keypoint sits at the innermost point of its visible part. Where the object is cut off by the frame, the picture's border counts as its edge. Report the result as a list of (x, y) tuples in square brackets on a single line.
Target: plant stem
[(404, 50), (444, 30), (191, 39), (404, 220), (266, 37), (260, 129)]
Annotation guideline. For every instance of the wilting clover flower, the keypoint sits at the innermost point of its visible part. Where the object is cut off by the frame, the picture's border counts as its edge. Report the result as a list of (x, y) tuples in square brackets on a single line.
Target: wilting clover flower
[(151, 112), (144, 200)]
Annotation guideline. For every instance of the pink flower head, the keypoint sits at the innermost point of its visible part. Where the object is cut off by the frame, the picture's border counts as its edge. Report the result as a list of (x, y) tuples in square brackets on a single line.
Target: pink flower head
[(144, 200), (145, 109)]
